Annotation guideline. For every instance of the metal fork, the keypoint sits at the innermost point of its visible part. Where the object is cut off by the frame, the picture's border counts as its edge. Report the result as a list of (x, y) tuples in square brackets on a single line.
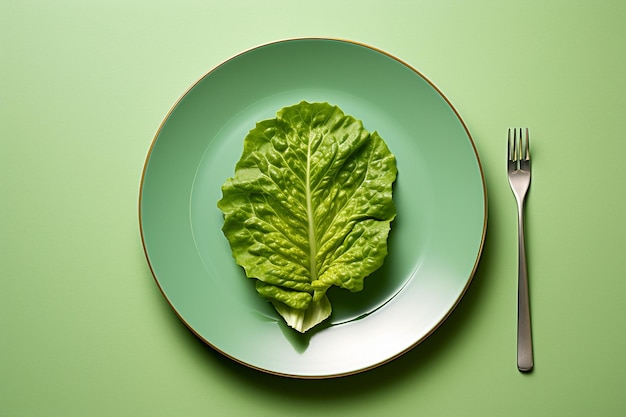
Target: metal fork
[(519, 178)]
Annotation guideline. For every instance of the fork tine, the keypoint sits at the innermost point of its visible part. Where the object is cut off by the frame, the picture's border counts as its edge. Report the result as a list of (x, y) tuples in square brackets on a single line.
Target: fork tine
[(518, 145), (512, 145), (527, 152)]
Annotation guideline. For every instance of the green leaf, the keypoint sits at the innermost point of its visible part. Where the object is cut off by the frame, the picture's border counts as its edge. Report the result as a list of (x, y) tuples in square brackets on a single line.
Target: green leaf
[(309, 207)]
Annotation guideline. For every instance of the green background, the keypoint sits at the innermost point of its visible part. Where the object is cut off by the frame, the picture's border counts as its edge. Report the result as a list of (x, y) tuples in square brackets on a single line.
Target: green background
[(84, 86)]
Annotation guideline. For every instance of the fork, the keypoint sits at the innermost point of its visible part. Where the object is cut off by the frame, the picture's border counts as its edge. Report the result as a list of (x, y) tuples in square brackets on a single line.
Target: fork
[(519, 179)]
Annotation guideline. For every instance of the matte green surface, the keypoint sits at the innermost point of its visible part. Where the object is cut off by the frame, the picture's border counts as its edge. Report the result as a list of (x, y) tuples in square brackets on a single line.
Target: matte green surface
[(85, 331), (439, 196)]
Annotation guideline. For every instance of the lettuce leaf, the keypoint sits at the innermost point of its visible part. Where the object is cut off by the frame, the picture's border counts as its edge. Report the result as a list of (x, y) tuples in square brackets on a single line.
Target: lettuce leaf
[(310, 206)]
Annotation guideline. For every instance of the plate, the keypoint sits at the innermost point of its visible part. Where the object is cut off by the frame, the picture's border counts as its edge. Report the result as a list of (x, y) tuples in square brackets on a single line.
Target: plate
[(434, 245)]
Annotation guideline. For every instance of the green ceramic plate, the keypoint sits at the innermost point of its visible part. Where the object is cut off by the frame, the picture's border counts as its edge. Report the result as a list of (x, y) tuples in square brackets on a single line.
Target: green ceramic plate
[(434, 245)]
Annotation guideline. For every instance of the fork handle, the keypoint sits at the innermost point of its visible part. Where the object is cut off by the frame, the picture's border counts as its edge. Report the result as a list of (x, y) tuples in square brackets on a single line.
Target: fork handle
[(524, 334)]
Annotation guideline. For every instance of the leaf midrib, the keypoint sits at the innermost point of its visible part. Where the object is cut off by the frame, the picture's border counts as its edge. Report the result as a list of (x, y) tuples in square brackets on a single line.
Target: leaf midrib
[(310, 218)]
